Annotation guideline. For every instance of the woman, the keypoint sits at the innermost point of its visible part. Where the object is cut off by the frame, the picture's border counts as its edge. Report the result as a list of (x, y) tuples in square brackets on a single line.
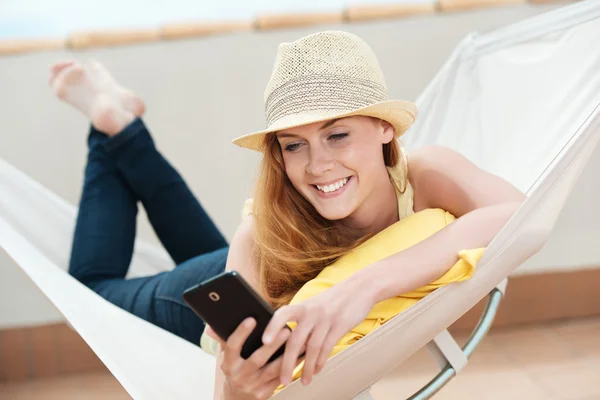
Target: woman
[(332, 178)]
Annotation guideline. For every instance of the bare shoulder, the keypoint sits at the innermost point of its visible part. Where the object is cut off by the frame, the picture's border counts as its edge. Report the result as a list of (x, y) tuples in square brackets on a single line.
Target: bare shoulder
[(436, 157), (444, 178), (241, 257), (428, 172)]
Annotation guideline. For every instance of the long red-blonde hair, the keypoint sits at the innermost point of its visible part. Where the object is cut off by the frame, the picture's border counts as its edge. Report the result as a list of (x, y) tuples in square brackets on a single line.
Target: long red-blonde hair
[(293, 242)]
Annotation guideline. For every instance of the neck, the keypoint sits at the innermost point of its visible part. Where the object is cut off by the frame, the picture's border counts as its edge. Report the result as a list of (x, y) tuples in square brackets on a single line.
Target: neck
[(378, 211)]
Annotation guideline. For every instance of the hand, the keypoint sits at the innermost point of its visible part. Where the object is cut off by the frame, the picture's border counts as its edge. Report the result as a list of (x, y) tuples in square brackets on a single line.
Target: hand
[(321, 322), (249, 378)]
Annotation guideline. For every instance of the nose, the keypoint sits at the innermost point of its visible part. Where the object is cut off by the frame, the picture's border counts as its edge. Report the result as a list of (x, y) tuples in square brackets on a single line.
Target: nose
[(320, 161)]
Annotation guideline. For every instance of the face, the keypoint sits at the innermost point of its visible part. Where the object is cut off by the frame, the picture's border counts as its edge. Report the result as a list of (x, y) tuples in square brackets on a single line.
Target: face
[(337, 165)]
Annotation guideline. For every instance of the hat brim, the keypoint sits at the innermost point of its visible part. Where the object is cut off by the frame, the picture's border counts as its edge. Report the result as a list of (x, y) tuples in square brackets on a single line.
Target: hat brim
[(400, 113)]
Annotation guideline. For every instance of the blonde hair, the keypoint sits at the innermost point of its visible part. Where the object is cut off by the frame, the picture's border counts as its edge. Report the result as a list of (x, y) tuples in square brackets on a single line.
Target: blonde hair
[(293, 242)]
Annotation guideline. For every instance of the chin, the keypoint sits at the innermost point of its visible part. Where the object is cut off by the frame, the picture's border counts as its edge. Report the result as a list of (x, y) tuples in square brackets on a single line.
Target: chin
[(334, 215)]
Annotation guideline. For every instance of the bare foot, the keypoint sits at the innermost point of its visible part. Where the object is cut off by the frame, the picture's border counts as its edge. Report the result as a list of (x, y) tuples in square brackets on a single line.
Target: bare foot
[(91, 89)]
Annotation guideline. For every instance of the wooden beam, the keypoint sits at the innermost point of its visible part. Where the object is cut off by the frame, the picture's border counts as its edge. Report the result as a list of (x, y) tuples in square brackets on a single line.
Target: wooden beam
[(463, 5), (199, 29), (386, 11), (280, 21), (18, 46), (82, 40)]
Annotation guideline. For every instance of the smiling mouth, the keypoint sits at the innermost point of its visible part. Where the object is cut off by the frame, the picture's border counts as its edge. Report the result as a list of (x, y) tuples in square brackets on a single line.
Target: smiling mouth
[(333, 187)]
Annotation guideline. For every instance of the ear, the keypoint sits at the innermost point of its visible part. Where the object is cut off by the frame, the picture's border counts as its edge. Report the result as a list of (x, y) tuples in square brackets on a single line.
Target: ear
[(387, 131)]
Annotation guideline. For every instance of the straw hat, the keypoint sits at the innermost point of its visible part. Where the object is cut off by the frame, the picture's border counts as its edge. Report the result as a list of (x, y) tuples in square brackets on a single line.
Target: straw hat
[(325, 76)]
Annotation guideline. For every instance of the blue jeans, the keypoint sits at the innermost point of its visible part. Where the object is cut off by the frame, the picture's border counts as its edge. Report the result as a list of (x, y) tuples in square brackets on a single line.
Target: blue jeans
[(122, 170)]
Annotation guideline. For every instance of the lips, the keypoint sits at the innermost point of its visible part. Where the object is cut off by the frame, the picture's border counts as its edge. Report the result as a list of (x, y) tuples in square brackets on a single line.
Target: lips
[(332, 187)]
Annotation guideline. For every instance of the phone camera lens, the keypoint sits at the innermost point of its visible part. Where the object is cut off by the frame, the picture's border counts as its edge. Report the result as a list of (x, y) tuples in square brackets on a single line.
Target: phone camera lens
[(214, 296)]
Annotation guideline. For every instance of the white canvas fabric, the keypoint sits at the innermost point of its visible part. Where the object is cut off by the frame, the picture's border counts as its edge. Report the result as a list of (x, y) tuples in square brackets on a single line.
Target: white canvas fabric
[(508, 100), (522, 102)]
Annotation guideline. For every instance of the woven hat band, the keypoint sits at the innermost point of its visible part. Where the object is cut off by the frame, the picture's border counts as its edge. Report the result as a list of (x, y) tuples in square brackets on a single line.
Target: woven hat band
[(322, 92)]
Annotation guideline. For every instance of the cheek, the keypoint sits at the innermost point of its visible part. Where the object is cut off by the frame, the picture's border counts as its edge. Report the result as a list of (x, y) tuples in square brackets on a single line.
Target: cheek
[(351, 158), (362, 161), (294, 170)]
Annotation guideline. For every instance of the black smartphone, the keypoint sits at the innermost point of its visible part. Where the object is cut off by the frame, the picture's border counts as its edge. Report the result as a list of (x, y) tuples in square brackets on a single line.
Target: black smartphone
[(226, 300)]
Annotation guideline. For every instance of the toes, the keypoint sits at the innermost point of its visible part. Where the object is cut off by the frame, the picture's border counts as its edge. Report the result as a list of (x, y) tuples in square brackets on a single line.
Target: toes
[(57, 68), (60, 65), (68, 76), (73, 74)]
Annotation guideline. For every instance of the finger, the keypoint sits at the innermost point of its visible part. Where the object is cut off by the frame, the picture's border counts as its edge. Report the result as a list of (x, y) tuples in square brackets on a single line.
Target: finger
[(293, 348), (279, 321), (265, 375), (232, 358), (270, 372), (259, 358), (333, 336), (313, 350)]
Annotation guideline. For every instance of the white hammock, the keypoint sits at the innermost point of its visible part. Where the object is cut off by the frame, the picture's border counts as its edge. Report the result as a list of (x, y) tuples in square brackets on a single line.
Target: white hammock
[(522, 102)]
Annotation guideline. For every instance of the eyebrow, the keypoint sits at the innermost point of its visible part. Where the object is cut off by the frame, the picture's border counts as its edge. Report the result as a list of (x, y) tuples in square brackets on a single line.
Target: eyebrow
[(324, 126), (329, 123)]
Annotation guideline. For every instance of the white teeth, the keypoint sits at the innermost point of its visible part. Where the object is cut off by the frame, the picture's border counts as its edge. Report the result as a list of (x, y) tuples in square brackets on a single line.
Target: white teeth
[(333, 187)]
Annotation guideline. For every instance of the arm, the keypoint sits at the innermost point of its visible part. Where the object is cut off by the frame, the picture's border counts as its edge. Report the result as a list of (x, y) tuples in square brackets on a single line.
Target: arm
[(482, 202), (253, 378), (239, 259)]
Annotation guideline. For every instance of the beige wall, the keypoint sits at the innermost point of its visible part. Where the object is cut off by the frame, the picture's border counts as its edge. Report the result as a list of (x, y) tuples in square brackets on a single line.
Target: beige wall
[(202, 93)]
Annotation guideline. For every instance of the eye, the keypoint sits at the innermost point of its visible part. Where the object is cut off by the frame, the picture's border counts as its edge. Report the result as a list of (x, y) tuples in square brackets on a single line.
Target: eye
[(336, 137), (292, 147)]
